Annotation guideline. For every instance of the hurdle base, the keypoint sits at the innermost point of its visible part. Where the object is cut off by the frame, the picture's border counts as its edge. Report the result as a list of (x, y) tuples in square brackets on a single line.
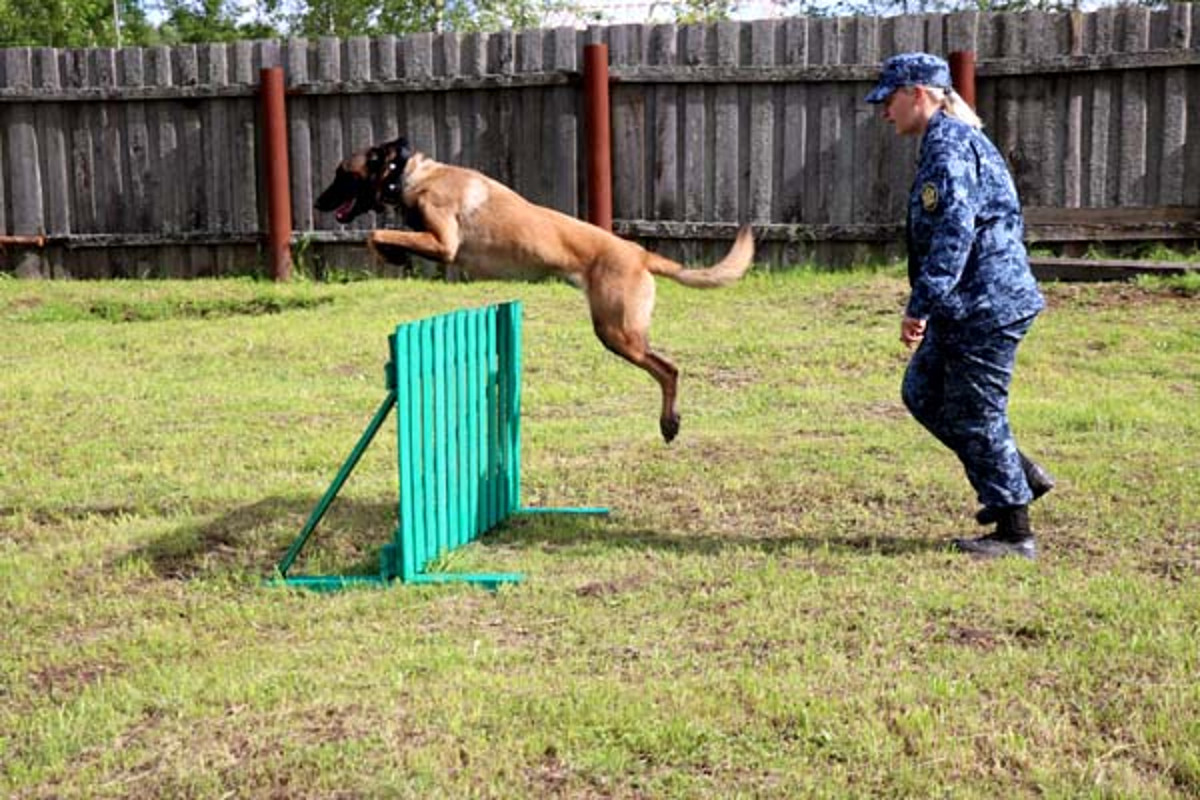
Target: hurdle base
[(327, 583), (595, 510), (336, 583), (391, 566)]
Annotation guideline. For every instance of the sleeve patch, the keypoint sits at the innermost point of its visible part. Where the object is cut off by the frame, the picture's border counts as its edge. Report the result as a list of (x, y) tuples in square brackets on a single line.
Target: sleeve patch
[(929, 197)]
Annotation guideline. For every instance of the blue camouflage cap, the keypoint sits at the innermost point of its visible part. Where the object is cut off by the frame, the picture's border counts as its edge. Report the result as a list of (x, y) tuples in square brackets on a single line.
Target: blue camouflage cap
[(910, 69)]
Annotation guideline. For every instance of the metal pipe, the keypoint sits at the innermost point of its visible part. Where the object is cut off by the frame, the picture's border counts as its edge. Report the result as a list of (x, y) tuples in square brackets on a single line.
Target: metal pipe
[(275, 154), (597, 135), (962, 74), (22, 240)]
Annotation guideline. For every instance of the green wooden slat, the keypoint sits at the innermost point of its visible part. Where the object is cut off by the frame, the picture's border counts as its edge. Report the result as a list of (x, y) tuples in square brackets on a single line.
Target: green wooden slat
[(449, 382), (480, 455), (513, 425), (493, 432), (461, 533), (427, 548), (466, 423), (399, 379), (441, 433), (501, 442), (414, 527)]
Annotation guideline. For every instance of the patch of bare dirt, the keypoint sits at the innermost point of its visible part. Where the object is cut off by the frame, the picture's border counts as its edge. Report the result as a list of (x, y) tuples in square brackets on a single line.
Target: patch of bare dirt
[(1110, 295)]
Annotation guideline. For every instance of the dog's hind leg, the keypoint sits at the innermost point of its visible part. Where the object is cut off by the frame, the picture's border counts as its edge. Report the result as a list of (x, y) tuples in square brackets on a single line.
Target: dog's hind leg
[(621, 320)]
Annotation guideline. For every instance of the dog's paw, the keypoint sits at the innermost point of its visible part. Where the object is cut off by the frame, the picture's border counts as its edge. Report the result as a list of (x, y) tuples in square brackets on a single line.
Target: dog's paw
[(669, 427)]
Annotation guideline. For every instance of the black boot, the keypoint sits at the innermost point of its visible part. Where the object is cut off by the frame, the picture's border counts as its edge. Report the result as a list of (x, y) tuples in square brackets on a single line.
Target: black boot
[(1040, 481), (1013, 537)]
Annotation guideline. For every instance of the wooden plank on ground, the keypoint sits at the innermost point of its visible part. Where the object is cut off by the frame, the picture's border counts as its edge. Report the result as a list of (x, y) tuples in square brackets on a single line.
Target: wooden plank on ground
[(1083, 269)]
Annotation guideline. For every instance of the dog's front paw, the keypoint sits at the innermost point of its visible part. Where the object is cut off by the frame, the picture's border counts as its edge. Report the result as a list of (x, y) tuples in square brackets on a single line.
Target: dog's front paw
[(669, 427), (386, 253)]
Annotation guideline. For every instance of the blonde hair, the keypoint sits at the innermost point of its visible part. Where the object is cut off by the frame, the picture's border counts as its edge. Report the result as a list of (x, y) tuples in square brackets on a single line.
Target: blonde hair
[(954, 105)]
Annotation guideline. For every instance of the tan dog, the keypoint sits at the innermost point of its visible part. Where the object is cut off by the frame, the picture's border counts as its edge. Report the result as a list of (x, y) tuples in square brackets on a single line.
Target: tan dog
[(461, 217)]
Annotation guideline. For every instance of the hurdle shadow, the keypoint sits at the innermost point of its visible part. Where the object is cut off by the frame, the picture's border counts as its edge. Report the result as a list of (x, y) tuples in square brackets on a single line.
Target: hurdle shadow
[(250, 539)]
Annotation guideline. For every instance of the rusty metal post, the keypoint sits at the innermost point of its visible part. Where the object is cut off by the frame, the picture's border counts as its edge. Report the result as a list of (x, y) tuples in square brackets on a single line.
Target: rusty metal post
[(597, 135), (275, 154), (962, 74)]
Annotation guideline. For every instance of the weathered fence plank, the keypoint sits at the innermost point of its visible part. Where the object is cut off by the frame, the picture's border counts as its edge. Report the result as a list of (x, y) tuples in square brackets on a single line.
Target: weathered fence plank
[(52, 133), (628, 128), (727, 157), (23, 152), (697, 191), (761, 151), (713, 124), (664, 150), (305, 170)]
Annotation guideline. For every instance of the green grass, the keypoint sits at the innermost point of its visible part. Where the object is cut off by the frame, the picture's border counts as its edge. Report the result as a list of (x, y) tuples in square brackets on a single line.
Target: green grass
[(769, 612)]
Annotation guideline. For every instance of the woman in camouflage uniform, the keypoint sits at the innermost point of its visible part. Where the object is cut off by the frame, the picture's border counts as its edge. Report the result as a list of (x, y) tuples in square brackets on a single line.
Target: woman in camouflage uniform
[(973, 296)]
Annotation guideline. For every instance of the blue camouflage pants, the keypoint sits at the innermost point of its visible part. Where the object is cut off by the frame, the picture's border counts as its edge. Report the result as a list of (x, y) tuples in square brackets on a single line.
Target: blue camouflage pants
[(956, 385)]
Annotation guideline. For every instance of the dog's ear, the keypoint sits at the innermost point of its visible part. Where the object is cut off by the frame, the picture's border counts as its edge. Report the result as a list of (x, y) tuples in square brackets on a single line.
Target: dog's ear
[(375, 156), (403, 151)]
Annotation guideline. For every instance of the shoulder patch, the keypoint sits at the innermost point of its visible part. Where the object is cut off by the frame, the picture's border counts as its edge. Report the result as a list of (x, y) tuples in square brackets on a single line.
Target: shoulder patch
[(929, 197)]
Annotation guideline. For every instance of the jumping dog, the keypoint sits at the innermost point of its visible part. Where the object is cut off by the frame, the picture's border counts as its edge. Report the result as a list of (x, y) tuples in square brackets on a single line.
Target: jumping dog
[(462, 218)]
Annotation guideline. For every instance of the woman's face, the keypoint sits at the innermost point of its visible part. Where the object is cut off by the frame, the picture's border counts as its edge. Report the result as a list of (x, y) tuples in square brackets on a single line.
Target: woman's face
[(904, 110)]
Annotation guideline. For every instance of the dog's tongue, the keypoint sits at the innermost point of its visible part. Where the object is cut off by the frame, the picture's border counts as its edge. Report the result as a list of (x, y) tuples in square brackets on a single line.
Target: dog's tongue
[(344, 210)]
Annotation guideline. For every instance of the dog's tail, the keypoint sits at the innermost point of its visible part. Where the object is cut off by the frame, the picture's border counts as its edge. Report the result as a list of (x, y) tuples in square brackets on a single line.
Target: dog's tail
[(723, 273)]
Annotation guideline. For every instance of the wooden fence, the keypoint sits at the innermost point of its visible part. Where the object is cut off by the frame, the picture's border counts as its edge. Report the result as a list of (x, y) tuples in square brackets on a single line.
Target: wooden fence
[(147, 161)]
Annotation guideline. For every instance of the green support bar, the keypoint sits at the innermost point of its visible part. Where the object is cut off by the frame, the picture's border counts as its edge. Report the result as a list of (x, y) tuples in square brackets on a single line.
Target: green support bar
[(455, 380)]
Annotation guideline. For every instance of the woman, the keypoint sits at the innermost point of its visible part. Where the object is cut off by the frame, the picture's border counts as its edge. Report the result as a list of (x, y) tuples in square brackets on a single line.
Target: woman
[(973, 296)]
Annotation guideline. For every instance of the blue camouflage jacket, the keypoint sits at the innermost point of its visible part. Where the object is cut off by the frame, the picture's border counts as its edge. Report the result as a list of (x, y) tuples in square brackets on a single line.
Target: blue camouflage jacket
[(967, 263)]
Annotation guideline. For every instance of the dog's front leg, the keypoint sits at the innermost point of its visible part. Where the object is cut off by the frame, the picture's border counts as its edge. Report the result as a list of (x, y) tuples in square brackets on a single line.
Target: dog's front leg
[(388, 253), (438, 241)]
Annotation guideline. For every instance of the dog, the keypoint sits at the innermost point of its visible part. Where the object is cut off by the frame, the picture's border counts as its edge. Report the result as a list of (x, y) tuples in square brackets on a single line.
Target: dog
[(466, 220)]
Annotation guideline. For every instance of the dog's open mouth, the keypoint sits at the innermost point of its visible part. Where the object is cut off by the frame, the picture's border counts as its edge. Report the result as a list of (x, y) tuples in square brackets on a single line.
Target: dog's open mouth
[(343, 211)]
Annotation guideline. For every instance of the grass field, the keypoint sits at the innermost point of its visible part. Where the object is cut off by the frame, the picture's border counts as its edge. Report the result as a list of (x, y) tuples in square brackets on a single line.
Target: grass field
[(769, 612)]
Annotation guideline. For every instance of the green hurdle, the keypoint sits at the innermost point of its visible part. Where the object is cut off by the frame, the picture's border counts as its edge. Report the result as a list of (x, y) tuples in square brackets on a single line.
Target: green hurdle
[(455, 382)]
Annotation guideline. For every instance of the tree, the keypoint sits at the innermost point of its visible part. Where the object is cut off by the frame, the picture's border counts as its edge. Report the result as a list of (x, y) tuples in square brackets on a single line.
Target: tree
[(373, 17), (69, 23), (197, 21), (839, 8), (691, 11)]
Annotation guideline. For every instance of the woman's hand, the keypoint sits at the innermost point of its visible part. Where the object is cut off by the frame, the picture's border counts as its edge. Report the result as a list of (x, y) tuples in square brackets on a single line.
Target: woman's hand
[(912, 331)]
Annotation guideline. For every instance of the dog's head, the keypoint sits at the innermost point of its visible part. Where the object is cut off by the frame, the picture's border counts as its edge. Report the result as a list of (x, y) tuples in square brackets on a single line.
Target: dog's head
[(369, 180)]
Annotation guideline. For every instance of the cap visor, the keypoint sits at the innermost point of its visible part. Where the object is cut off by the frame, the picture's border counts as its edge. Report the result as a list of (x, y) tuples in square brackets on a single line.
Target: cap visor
[(880, 93)]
